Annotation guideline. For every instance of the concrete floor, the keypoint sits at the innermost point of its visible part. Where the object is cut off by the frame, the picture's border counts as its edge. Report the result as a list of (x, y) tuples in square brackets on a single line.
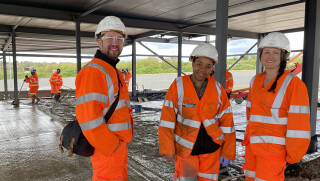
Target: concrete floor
[(29, 147)]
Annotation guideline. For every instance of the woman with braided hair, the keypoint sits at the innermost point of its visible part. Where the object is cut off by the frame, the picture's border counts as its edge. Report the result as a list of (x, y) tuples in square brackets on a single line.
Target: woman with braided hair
[(278, 113)]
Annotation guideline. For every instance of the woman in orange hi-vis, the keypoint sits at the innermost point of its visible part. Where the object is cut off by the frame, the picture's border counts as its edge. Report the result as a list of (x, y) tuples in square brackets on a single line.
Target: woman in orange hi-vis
[(98, 86), (33, 85), (196, 129), (278, 129)]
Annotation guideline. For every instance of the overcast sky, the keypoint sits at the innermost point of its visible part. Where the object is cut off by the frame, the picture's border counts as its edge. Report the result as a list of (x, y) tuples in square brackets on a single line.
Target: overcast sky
[(234, 47)]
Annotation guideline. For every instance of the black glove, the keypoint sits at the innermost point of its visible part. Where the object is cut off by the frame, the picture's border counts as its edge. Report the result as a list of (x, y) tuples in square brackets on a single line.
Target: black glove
[(26, 76), (24, 80)]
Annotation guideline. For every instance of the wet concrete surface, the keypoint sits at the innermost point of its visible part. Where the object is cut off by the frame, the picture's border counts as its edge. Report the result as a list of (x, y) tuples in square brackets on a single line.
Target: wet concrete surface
[(30, 136)]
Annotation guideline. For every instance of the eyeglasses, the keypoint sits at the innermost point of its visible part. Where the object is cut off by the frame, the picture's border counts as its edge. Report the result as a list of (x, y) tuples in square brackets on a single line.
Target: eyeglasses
[(113, 38)]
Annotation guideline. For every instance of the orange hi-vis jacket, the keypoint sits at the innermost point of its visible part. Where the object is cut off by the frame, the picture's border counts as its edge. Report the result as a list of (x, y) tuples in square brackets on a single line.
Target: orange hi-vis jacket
[(97, 88), (59, 81), (127, 78), (229, 81), (278, 123), (183, 113), (33, 81)]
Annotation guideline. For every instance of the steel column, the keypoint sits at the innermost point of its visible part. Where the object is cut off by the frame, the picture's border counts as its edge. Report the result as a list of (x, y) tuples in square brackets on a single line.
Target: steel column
[(179, 54), (134, 69), (259, 67), (15, 74), (78, 45), (311, 57), (221, 41), (5, 78)]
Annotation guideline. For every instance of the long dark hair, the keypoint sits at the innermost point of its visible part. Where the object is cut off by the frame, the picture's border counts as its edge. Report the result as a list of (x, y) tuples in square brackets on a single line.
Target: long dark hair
[(283, 65)]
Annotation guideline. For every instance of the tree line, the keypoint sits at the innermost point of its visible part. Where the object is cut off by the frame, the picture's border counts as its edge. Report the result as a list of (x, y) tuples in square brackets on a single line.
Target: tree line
[(149, 65)]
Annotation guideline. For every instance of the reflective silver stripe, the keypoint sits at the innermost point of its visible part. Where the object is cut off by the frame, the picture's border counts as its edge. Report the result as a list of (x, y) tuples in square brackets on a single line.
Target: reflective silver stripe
[(167, 124), (248, 104), (119, 126), (34, 85), (279, 98), (269, 120), (168, 103), (227, 129), (298, 134), (251, 82), (180, 93), (92, 124), (258, 179), (183, 142), (229, 87), (128, 103), (229, 79), (299, 109), (92, 97), (208, 122), (221, 137), (208, 176), (227, 110), (121, 103), (268, 139), (219, 93), (188, 122), (108, 78), (249, 173), (187, 178)]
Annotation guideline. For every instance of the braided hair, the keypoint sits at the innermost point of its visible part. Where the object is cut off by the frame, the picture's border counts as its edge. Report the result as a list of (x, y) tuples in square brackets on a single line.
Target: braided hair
[(283, 65)]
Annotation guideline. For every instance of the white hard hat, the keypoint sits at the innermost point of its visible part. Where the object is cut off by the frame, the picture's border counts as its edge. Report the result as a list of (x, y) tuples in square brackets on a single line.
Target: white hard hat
[(111, 23), (205, 50), (275, 40), (33, 70)]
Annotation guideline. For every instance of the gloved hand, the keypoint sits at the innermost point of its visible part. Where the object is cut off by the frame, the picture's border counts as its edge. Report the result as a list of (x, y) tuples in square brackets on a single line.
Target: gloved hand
[(224, 161), (24, 80), (26, 76)]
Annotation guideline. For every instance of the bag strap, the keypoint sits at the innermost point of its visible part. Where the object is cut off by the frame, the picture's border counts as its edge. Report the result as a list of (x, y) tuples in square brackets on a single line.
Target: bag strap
[(115, 103)]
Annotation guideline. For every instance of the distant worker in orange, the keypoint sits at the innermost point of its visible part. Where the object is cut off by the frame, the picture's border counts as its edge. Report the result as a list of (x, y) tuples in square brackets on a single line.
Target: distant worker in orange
[(127, 76), (278, 114), (99, 84), (229, 83), (196, 129), (33, 85), (54, 85)]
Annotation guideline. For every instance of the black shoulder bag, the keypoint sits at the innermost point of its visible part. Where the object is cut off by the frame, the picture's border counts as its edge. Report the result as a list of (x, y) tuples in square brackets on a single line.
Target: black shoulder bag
[(73, 139)]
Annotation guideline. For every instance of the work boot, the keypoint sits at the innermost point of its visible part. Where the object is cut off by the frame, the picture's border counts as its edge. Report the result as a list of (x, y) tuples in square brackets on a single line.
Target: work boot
[(38, 99)]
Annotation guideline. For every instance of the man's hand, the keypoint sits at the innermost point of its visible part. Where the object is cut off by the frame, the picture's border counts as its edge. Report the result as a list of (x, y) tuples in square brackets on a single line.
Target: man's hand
[(224, 161), (170, 157)]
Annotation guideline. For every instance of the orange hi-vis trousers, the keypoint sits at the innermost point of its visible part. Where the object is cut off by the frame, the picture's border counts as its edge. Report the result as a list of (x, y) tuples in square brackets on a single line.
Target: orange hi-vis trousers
[(112, 167), (203, 167), (268, 168)]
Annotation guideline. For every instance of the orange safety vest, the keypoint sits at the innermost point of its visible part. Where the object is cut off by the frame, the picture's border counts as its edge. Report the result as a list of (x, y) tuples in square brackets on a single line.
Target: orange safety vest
[(229, 81), (33, 81), (96, 89), (278, 123), (127, 78), (183, 113)]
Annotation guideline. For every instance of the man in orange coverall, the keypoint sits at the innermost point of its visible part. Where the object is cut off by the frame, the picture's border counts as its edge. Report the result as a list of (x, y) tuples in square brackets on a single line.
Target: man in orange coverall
[(98, 85), (33, 85), (196, 129)]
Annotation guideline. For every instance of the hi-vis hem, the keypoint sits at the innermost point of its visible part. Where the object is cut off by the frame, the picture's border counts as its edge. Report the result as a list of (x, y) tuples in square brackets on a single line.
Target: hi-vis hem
[(187, 178), (249, 173), (209, 176)]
